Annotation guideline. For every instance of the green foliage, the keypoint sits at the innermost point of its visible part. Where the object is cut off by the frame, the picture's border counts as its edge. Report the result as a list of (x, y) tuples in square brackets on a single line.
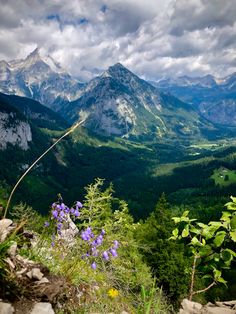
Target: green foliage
[(212, 245), (127, 274), (164, 257)]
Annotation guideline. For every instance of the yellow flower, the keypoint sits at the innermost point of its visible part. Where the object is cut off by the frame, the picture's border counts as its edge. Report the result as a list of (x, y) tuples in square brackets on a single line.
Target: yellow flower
[(113, 293)]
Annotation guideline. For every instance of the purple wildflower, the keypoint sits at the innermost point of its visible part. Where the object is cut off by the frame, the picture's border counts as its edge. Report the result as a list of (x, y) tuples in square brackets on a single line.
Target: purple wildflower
[(116, 244), (94, 266), (105, 255), (63, 206), (55, 213), (113, 252), (76, 213), (79, 204), (46, 224), (103, 232)]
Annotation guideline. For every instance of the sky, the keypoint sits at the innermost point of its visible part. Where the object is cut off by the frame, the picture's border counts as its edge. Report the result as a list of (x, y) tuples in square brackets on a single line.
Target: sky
[(153, 38)]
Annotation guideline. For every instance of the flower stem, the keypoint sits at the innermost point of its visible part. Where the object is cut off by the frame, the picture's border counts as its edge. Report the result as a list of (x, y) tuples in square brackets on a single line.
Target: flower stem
[(35, 162)]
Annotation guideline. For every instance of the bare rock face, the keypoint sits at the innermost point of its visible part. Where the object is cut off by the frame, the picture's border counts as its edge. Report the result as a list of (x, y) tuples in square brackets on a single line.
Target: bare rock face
[(189, 307), (6, 308), (15, 133), (42, 308)]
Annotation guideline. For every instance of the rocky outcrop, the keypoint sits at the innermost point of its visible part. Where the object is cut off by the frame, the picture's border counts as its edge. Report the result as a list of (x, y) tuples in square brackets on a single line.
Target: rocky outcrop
[(189, 307), (14, 131)]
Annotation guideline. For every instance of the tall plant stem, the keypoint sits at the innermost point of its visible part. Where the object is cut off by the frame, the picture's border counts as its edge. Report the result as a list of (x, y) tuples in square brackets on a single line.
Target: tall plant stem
[(193, 277), (35, 162)]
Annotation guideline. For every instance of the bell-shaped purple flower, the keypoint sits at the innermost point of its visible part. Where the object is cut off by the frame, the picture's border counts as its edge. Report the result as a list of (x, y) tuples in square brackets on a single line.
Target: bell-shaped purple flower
[(94, 266), (113, 252), (116, 244), (55, 213), (76, 213), (105, 255), (79, 204), (46, 224), (103, 232), (62, 206)]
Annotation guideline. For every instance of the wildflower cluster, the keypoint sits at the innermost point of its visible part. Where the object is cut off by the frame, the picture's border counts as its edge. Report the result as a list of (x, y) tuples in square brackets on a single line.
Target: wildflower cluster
[(61, 214), (95, 243)]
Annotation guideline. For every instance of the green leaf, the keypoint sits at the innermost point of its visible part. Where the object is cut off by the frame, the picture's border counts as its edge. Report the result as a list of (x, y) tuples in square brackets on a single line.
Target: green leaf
[(217, 273), (226, 216), (195, 230), (195, 241), (219, 238), (233, 235), (201, 225), (231, 252), (205, 250), (226, 256), (230, 206), (233, 198), (175, 232), (176, 219), (221, 280), (185, 219), (185, 214), (233, 223), (185, 232)]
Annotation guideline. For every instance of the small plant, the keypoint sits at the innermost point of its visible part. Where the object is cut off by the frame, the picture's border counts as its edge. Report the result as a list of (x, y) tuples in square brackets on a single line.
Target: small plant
[(93, 245), (152, 300), (211, 245)]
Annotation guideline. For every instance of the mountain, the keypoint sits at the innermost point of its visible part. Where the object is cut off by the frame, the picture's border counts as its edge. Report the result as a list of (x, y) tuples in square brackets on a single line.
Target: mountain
[(214, 98), (40, 78), (14, 128), (119, 103), (33, 111)]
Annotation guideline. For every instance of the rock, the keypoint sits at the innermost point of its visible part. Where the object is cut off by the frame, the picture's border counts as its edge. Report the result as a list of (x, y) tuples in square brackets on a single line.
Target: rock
[(12, 249), (68, 232), (42, 308), (21, 272), (6, 308), (35, 273), (43, 280), (10, 263), (5, 228), (191, 307), (231, 304), (24, 261), (218, 310)]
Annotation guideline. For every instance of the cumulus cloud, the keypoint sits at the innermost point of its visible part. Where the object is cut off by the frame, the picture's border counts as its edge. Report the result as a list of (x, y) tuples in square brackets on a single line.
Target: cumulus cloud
[(154, 38)]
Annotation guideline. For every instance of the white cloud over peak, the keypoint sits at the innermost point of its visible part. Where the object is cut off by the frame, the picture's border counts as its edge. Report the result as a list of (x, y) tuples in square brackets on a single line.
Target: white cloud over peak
[(154, 38)]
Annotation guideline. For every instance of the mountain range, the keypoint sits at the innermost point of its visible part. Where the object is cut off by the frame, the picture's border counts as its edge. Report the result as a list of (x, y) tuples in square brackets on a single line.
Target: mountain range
[(119, 103), (214, 98)]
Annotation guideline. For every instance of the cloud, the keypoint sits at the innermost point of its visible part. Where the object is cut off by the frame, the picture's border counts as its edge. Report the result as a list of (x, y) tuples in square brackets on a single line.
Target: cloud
[(154, 38)]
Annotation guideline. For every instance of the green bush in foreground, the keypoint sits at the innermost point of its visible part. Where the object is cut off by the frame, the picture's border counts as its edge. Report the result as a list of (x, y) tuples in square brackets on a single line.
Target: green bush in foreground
[(212, 245)]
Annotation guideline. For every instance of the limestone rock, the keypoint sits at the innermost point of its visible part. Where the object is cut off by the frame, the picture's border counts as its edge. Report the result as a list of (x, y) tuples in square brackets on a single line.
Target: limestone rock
[(5, 228), (12, 249), (35, 273), (191, 307), (42, 308), (43, 280), (218, 310), (6, 308)]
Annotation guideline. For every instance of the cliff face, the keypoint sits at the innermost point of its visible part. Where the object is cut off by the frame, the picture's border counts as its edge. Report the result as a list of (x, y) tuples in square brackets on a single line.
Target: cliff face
[(14, 131)]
